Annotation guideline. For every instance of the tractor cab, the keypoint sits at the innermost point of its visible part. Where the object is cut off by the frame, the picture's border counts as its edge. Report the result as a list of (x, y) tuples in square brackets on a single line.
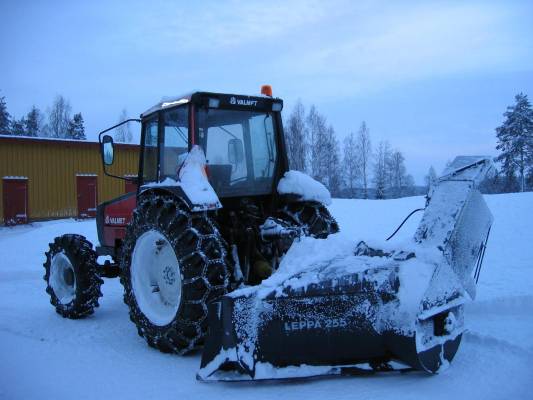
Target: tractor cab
[(241, 137), (240, 142)]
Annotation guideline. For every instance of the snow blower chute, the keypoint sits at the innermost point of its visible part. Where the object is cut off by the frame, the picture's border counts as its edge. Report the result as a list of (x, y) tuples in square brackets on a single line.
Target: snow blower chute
[(377, 310)]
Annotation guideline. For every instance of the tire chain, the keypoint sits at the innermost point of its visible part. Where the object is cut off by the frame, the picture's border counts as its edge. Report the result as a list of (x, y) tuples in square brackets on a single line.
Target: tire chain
[(313, 217), (203, 259)]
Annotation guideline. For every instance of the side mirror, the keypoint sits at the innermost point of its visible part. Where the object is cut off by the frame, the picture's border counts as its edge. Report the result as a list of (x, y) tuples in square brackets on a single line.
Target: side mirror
[(235, 151), (107, 150)]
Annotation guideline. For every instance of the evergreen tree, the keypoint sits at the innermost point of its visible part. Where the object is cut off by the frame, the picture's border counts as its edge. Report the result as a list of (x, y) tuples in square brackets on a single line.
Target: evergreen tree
[(5, 118), (296, 138), (529, 178), (18, 127), (510, 183), (492, 183), (76, 130), (33, 122), (380, 169), (515, 139)]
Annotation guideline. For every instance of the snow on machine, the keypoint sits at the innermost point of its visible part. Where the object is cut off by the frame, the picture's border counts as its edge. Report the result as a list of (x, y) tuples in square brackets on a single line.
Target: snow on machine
[(371, 310), (203, 250)]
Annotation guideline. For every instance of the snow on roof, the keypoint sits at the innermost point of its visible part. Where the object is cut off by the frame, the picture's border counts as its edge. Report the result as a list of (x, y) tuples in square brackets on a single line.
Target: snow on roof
[(63, 140), (44, 138), (14, 177), (169, 101)]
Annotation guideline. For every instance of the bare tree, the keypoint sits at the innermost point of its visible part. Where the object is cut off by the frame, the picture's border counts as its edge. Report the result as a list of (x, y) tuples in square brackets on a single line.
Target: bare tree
[(316, 124), (397, 173), (351, 163), (34, 122), (364, 151), (59, 118), (123, 132), (296, 138), (332, 164)]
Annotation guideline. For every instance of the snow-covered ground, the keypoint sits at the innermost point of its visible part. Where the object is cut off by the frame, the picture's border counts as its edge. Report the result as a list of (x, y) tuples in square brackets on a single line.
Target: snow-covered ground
[(44, 356)]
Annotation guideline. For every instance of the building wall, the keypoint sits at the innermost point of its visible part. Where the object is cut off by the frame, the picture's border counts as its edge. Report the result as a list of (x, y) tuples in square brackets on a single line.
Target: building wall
[(51, 167)]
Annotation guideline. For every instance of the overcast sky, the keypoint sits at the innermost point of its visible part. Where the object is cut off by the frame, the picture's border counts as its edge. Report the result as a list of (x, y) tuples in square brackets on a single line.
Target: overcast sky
[(432, 78)]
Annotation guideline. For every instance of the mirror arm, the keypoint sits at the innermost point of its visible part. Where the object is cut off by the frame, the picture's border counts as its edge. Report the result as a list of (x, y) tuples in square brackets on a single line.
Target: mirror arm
[(116, 126), (133, 179), (100, 144)]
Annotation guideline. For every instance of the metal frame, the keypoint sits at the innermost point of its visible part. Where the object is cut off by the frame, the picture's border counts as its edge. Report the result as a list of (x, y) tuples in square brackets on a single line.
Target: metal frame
[(102, 153)]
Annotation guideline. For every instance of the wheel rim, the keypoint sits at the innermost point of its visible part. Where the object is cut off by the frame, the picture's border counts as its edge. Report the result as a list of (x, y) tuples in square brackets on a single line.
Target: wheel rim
[(62, 278), (156, 278)]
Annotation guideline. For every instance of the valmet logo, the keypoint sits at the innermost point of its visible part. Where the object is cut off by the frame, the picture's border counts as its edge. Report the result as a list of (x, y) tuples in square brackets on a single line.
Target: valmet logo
[(242, 102)]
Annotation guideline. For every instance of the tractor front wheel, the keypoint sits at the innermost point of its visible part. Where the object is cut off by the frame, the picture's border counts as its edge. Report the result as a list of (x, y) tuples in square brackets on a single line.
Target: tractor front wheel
[(71, 274)]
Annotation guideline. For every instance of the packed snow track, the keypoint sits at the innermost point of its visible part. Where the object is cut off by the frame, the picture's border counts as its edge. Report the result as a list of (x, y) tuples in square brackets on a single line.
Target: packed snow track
[(46, 356)]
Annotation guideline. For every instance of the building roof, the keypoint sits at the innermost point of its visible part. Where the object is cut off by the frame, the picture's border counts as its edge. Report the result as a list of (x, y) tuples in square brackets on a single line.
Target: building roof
[(58, 141)]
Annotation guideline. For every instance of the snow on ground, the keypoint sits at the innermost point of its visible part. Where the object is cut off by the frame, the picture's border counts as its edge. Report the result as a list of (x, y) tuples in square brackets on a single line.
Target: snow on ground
[(45, 356)]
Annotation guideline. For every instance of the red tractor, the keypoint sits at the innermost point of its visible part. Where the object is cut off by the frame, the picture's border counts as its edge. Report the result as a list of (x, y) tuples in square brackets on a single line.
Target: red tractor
[(215, 211), (215, 208)]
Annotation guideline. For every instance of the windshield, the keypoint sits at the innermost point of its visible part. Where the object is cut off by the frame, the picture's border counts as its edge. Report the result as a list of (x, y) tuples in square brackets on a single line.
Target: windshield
[(240, 150)]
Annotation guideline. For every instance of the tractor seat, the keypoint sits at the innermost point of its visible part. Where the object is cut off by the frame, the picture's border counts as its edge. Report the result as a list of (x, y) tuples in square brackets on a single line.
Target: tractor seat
[(219, 175)]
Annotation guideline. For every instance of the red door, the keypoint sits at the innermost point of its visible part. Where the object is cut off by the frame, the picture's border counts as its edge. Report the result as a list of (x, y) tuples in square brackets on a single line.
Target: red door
[(86, 187), (15, 200)]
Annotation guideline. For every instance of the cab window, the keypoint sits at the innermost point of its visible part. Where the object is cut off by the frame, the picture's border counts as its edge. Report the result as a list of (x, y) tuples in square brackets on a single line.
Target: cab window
[(150, 150), (175, 141)]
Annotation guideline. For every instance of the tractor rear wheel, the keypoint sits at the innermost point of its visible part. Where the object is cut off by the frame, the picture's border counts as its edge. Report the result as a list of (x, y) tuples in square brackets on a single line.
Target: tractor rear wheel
[(174, 263), (71, 274), (313, 217)]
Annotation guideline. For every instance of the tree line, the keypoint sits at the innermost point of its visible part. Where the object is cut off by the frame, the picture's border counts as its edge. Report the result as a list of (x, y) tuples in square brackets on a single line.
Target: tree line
[(57, 122), (357, 171)]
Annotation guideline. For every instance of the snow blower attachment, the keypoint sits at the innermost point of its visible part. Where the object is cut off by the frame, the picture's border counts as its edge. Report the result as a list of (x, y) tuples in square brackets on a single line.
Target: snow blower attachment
[(376, 310)]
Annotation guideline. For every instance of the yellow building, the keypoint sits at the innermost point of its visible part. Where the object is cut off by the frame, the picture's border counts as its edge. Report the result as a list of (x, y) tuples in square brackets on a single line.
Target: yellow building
[(52, 178)]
